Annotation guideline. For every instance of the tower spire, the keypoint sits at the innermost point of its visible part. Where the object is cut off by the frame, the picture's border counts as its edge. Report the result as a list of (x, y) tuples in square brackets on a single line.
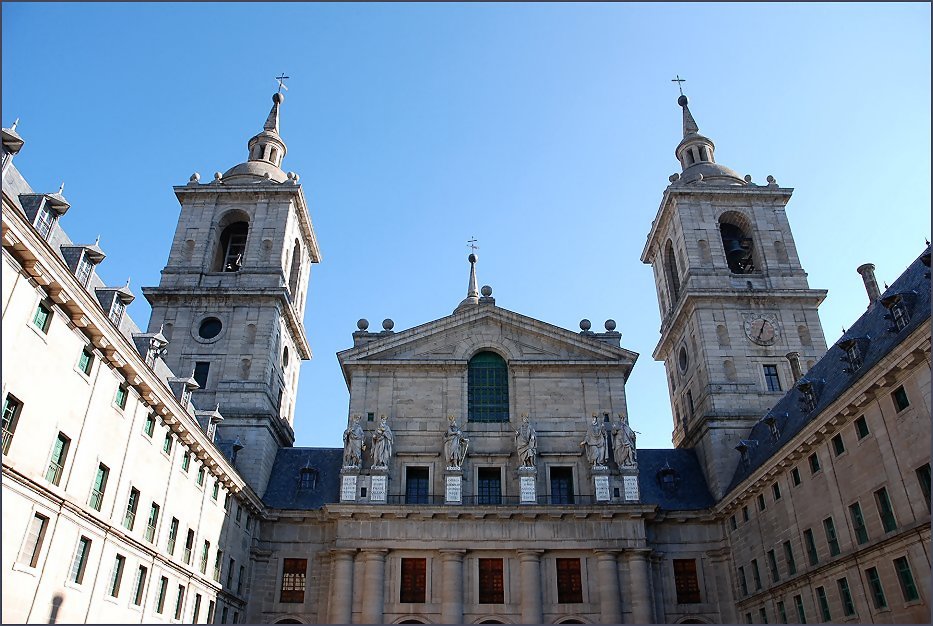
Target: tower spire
[(695, 153), (690, 124), (266, 149), (472, 289)]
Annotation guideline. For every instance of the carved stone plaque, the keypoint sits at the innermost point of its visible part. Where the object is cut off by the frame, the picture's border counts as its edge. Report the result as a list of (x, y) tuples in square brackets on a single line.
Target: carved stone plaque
[(377, 489), (453, 491), (602, 488), (348, 489), (630, 488), (527, 490)]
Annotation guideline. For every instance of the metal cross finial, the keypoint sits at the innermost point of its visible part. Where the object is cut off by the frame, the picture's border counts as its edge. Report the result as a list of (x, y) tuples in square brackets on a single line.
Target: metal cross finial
[(679, 82), (282, 80), (472, 244)]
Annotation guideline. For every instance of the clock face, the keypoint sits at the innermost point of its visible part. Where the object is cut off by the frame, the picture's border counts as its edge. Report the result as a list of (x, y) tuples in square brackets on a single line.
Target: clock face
[(761, 331)]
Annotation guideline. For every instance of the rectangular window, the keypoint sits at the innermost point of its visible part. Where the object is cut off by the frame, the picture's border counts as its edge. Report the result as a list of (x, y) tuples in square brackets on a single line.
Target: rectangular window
[(96, 499), (129, 519), (230, 573), (899, 396), (223, 615), (489, 485), (686, 582), (236, 617), (762, 615), (117, 577), (861, 427), (795, 476), (44, 221), (167, 443), (814, 463), (801, 614), (83, 270), (116, 311), (885, 510), (491, 582), (906, 578), (782, 612), (201, 476), (149, 424), (811, 547), (210, 613), (189, 545), (160, 595), (761, 502), (732, 523), (11, 410), (829, 527), (172, 536), (120, 398), (773, 566), (43, 318), (414, 581), (186, 460), (877, 591), (218, 563), (57, 462), (569, 581), (776, 491), (152, 522), (848, 607), (743, 584), (756, 575), (748, 618), (562, 485), (239, 580), (80, 561), (771, 378), (216, 489), (140, 589), (789, 557), (690, 402), (32, 544), (745, 514), (180, 602), (86, 361), (201, 368), (838, 445), (416, 485), (923, 477), (824, 604), (294, 573), (239, 512), (197, 608), (858, 523), (205, 549)]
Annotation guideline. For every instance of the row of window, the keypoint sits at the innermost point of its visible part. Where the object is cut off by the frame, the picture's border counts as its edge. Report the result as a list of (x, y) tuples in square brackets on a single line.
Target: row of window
[(905, 578), (488, 485)]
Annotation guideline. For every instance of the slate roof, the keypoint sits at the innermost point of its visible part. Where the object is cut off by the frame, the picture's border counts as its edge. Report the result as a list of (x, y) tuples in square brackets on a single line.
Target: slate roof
[(690, 493), (282, 492), (828, 373)]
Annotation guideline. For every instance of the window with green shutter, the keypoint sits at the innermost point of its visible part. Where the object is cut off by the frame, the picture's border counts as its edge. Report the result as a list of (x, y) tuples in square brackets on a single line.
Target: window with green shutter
[(100, 484), (57, 462), (11, 410)]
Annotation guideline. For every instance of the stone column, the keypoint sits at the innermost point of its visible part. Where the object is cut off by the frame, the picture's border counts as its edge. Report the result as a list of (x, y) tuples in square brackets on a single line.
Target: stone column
[(657, 584), (341, 597), (720, 564), (373, 586), (531, 585), (452, 586), (639, 585), (610, 598)]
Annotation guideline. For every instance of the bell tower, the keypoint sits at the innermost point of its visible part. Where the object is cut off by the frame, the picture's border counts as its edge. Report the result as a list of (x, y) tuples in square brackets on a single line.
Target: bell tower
[(734, 299), (232, 297)]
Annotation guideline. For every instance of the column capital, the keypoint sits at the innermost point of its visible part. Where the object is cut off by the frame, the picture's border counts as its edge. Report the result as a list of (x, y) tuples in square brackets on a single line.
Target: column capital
[(637, 553), (452, 555), (529, 554), (720, 554), (343, 553), (374, 553), (607, 552)]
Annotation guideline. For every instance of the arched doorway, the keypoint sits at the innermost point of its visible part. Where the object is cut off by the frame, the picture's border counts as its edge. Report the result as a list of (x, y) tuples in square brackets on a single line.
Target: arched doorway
[(288, 620)]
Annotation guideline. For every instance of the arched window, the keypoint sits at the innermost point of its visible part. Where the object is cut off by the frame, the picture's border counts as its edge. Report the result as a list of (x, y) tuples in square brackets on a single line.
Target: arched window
[(231, 247), (488, 383), (295, 271), (673, 275), (736, 243)]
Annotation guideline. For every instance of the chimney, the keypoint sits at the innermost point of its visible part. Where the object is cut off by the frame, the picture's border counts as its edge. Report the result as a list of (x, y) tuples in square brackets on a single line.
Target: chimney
[(871, 285), (794, 359)]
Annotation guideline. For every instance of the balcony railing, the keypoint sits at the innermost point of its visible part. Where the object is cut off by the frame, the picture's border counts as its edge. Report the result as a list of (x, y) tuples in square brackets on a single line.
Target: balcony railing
[(510, 501), (150, 532), (7, 440), (54, 473), (96, 499), (129, 520)]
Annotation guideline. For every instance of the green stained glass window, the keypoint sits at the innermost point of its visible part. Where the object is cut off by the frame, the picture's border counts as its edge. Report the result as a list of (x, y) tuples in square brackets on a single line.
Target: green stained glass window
[(488, 381)]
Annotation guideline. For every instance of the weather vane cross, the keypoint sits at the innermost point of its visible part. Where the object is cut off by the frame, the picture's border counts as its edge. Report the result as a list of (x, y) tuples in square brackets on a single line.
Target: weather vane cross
[(282, 80), (679, 82), (472, 243)]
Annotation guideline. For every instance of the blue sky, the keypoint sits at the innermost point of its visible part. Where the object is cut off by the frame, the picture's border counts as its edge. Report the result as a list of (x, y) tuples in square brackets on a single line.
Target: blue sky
[(545, 130)]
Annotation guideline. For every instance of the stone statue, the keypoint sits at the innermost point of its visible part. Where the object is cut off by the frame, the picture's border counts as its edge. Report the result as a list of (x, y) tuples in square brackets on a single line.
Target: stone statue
[(526, 442), (623, 443), (595, 443), (383, 440), (353, 443), (455, 444)]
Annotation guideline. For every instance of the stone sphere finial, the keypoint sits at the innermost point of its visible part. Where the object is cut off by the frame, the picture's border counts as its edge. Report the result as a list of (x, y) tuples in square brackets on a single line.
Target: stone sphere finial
[(278, 98), (218, 175), (472, 258), (610, 325), (771, 180), (194, 178), (362, 324), (682, 101), (388, 324), (748, 178), (585, 324), (486, 290), (674, 177)]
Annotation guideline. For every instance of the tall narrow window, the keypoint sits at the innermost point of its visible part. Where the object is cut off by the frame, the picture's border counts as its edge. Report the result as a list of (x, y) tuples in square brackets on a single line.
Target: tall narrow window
[(899, 396), (205, 549), (906, 578), (189, 545), (561, 485), (11, 410), (83, 269), (743, 583), (201, 370), (488, 384), (829, 527), (762, 615), (808, 540), (845, 595), (197, 608), (824, 604), (57, 462), (294, 573), (80, 561), (32, 544), (756, 575), (44, 220), (152, 522), (230, 568), (240, 579), (167, 443), (116, 311), (782, 611), (186, 460), (180, 602), (294, 272), (858, 523), (491, 582), (877, 591), (885, 510), (218, 564), (100, 485), (801, 614), (86, 361), (140, 587), (233, 246), (737, 248), (132, 503), (673, 274), (569, 581), (771, 378), (416, 485), (210, 612), (149, 424), (814, 463), (160, 595), (685, 581), (789, 557), (773, 566), (839, 445), (414, 581), (120, 398), (489, 485), (923, 477), (42, 317), (172, 536), (117, 578), (861, 427)]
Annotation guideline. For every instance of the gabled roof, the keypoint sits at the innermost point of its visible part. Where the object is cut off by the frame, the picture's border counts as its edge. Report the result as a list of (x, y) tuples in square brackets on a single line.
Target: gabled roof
[(829, 374)]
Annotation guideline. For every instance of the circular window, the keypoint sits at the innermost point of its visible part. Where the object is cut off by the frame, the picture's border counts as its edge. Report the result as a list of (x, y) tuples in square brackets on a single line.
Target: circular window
[(210, 327), (285, 357), (682, 358)]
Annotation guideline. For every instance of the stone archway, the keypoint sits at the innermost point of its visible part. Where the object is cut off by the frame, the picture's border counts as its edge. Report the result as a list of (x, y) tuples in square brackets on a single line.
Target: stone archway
[(288, 620)]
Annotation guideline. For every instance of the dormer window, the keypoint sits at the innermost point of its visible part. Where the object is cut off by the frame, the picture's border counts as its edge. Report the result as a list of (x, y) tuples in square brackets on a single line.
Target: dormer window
[(307, 478), (44, 220), (668, 478), (809, 396), (855, 349), (83, 271), (773, 429), (116, 311), (898, 306), (854, 355), (900, 315)]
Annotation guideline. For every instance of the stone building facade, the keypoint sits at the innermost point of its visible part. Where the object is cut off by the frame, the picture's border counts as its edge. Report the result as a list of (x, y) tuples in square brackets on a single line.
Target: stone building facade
[(488, 472)]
